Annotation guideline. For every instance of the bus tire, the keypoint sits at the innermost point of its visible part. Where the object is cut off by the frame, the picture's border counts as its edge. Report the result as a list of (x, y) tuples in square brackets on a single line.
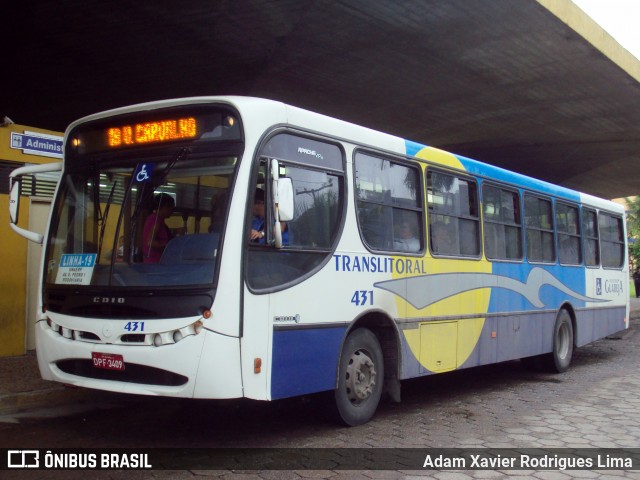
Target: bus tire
[(360, 378), (559, 359)]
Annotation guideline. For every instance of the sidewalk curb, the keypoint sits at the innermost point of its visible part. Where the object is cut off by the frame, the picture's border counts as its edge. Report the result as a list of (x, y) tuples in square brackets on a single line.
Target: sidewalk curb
[(58, 395)]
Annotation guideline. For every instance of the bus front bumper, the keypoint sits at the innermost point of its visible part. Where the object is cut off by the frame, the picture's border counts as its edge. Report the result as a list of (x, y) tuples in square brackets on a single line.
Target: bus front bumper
[(205, 365)]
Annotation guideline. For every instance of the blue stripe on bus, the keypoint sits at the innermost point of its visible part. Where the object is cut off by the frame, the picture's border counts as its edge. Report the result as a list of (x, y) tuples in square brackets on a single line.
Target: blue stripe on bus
[(305, 361), (499, 174), (502, 300)]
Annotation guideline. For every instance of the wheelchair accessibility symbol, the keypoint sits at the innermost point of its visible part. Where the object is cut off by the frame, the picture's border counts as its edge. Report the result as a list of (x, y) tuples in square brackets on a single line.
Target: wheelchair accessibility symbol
[(143, 172)]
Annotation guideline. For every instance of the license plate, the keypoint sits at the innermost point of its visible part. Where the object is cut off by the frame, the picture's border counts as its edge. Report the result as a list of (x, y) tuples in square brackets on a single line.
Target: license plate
[(108, 361)]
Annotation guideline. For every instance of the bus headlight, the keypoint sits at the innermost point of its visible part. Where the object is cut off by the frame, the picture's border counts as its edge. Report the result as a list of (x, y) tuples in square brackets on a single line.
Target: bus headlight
[(54, 326), (174, 336)]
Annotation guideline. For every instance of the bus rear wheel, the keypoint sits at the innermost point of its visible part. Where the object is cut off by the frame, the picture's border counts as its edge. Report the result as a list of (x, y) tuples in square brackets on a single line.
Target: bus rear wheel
[(559, 359), (360, 377)]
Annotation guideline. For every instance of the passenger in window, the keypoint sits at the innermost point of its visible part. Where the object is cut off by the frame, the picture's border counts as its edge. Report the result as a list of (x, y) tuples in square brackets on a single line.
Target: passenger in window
[(441, 238), (156, 234), (405, 237), (258, 233), (257, 222)]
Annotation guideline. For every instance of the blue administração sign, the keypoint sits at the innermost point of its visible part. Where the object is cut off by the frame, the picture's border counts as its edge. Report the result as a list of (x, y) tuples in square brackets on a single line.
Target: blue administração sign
[(34, 143)]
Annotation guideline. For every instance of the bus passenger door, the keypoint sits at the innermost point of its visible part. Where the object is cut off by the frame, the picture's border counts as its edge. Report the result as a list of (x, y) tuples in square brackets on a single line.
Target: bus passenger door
[(296, 210), (255, 344)]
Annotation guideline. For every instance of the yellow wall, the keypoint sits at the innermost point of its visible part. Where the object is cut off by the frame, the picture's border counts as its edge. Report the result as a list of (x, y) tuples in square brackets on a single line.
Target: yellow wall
[(13, 282), (13, 254)]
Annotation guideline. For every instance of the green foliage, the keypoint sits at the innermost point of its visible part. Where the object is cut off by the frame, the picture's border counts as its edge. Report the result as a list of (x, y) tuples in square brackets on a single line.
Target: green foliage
[(634, 252), (633, 216), (633, 228)]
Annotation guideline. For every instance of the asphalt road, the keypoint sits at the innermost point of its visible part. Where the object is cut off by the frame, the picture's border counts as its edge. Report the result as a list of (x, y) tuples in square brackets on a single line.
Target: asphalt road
[(593, 405)]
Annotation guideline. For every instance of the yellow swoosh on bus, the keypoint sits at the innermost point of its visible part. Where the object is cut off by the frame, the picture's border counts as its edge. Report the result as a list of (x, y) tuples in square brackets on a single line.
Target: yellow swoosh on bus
[(465, 304)]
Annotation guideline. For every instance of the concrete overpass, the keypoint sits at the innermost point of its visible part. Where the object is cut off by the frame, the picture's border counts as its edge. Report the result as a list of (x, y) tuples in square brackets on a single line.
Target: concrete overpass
[(532, 85)]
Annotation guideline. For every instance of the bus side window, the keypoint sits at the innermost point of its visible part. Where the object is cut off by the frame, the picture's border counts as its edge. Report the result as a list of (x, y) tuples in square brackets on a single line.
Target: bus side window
[(453, 215), (539, 229), (502, 223), (612, 238), (389, 204), (568, 224), (318, 199), (591, 240)]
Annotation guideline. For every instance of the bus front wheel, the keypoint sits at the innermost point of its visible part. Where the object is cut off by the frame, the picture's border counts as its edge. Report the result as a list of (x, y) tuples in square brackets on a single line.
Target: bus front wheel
[(360, 377), (559, 359)]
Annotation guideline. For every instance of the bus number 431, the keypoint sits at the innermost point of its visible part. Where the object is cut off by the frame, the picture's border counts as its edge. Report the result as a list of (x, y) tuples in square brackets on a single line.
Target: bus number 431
[(134, 327), (362, 297)]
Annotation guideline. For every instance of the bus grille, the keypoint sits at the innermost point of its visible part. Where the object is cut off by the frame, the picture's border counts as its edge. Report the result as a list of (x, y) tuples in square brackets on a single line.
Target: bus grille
[(133, 373)]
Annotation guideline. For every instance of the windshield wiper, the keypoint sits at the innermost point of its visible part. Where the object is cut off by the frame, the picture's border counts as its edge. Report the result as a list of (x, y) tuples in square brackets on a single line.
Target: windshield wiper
[(182, 154)]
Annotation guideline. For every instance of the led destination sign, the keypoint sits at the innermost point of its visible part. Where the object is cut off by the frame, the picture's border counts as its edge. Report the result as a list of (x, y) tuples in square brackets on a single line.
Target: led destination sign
[(202, 124), (152, 132)]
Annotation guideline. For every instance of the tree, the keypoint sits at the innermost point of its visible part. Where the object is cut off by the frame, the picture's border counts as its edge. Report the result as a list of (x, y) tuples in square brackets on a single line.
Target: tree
[(633, 228), (633, 216)]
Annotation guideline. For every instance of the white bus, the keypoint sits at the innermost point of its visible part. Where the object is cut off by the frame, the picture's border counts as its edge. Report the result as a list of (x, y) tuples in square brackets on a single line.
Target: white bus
[(227, 247)]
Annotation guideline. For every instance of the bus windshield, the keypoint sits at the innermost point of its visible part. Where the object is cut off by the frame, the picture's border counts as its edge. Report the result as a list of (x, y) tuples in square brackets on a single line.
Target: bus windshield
[(140, 222)]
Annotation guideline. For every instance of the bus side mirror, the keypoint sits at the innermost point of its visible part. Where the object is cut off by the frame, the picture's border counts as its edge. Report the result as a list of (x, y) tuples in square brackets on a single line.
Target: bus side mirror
[(14, 197), (14, 201), (282, 194), (285, 199), (282, 197)]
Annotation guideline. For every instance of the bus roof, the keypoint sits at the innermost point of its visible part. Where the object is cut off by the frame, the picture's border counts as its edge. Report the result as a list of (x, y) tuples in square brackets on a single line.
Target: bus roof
[(357, 134)]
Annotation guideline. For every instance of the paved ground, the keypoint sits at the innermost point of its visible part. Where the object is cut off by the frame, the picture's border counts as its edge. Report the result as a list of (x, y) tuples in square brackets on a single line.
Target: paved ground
[(593, 405), (22, 389)]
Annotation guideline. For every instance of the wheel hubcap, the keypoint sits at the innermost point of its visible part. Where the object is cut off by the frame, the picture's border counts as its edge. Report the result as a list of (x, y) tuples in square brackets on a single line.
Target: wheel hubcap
[(563, 341), (361, 377)]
